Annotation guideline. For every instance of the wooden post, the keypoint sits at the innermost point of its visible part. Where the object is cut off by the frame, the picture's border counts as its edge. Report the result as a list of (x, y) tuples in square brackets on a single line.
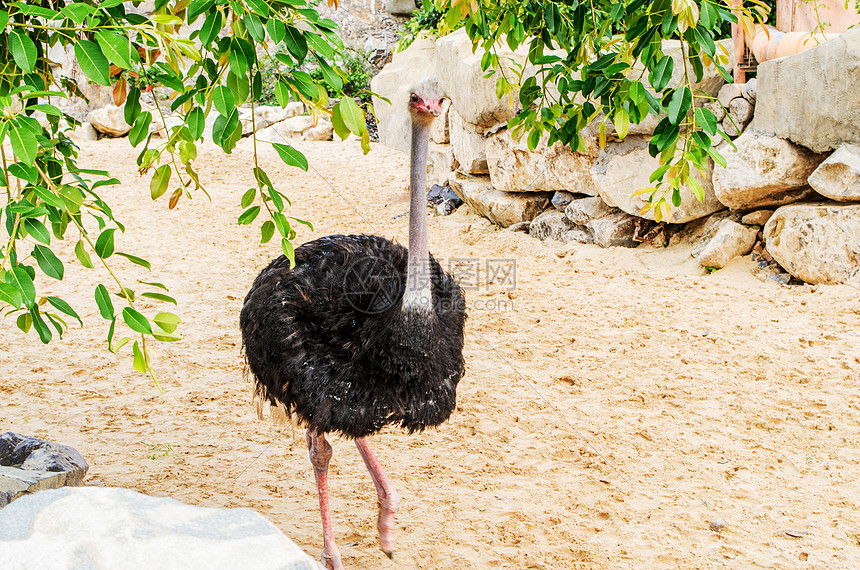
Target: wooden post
[(738, 43)]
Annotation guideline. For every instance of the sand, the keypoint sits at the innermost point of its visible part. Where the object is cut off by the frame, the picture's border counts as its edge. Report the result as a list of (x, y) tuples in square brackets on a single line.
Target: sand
[(615, 403)]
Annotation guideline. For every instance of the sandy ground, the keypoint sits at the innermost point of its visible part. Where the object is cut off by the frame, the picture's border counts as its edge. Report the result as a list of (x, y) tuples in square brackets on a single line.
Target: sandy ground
[(614, 404)]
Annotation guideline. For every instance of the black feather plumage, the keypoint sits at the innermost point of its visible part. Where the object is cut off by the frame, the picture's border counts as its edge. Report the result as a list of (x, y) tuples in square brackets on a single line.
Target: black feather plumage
[(328, 338)]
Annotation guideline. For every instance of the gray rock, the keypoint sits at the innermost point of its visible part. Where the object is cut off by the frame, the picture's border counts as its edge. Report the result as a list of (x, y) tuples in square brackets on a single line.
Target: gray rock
[(550, 224), (560, 199), (838, 177), (729, 92), (469, 145), (817, 243), (520, 227), (757, 218), (514, 168), (730, 241), (109, 120), (29, 464), (400, 7), (810, 98), (741, 111), (501, 208), (105, 528), (749, 90), (730, 127), (625, 167), (447, 207), (583, 210), (717, 525), (614, 230), (716, 108), (763, 171), (440, 163)]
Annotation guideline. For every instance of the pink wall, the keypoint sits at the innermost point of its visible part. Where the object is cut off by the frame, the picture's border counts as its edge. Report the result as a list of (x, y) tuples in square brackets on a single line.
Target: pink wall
[(800, 16)]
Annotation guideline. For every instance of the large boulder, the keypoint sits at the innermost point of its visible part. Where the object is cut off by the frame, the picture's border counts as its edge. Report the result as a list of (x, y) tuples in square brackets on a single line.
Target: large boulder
[(553, 224), (817, 243), (394, 82), (514, 168), (469, 145), (109, 120), (625, 167), (502, 208), (838, 177), (472, 94), (440, 164), (103, 528), (731, 240), (763, 171), (812, 97)]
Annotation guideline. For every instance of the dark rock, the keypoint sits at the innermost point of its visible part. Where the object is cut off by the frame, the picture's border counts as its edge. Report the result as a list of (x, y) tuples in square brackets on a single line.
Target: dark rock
[(28, 464), (561, 199), (434, 195), (439, 194), (520, 227), (448, 206)]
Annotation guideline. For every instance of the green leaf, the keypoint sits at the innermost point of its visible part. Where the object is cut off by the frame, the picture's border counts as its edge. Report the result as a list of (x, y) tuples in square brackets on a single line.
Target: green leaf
[(24, 144), (662, 73), (103, 301), (679, 105), (117, 49), (23, 50), (154, 284), (160, 180), (282, 93), (196, 122), (255, 27), (248, 197), (337, 123), (289, 251), (93, 62), (136, 321), (24, 322), (196, 8), (260, 7), (238, 62), (211, 26), (291, 156), (296, 43), (706, 120), (267, 231), (621, 120), (135, 259), (159, 297), (223, 100), (38, 230), (277, 30), (65, 308), (139, 358), (167, 321), (140, 130), (104, 244), (20, 278), (10, 294), (39, 324), (48, 262), (165, 337), (82, 255), (4, 19), (249, 215), (352, 115)]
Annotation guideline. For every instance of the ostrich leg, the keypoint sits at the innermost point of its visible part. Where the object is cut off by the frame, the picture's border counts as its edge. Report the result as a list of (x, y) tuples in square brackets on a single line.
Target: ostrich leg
[(320, 452), (386, 496)]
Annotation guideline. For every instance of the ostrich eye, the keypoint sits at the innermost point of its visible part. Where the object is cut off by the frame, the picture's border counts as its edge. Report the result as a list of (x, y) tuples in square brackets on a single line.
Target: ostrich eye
[(413, 98)]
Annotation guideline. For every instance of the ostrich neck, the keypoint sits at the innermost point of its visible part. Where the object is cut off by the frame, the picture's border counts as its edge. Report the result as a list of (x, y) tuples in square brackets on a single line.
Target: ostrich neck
[(417, 294)]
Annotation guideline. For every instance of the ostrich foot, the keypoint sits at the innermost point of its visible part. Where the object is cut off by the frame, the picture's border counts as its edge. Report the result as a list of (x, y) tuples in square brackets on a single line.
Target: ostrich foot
[(320, 453), (386, 495)]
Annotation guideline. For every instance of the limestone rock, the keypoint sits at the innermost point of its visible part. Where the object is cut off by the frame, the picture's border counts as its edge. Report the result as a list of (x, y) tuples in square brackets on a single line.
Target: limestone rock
[(583, 210), (299, 127), (29, 464), (560, 199), (728, 93), (86, 132), (757, 217), (469, 145), (501, 208), (838, 177), (749, 90), (406, 69), (811, 97), (440, 163), (514, 168), (625, 166), (550, 224), (472, 94), (109, 120), (104, 528), (614, 230), (817, 243), (741, 111), (716, 108), (158, 129), (440, 128), (323, 131), (763, 171), (400, 7), (731, 240)]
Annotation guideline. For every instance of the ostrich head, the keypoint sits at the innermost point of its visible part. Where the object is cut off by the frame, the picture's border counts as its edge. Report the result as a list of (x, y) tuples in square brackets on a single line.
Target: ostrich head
[(425, 102)]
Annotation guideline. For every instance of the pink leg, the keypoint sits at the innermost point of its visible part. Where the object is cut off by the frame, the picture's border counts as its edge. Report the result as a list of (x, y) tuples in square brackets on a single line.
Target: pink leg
[(320, 452), (386, 495)]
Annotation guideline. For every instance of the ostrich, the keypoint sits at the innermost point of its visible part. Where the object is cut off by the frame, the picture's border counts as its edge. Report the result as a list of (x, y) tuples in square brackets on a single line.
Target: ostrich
[(359, 334)]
